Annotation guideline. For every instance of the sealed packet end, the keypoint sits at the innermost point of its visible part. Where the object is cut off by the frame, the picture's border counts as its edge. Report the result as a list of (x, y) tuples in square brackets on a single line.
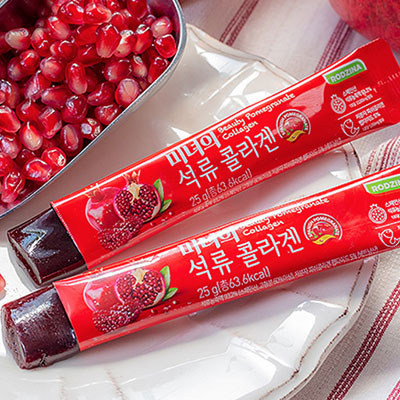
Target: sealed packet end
[(44, 248), (37, 331)]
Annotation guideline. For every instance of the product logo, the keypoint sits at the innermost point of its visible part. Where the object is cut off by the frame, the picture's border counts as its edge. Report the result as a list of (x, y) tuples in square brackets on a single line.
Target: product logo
[(291, 124), (320, 228), (345, 71)]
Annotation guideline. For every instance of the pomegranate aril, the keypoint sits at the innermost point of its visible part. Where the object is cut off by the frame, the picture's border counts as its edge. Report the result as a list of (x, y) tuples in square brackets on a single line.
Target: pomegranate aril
[(166, 46), (132, 21), (4, 47), (47, 143), (24, 156), (115, 71), (119, 20), (127, 91), (150, 55), (6, 164), (53, 68), (71, 140), (113, 5), (18, 39), (28, 110), (14, 69), (41, 42), (90, 128), (36, 85), (64, 49), (161, 27), (138, 8), (8, 120), (55, 157), (139, 68), (126, 44), (3, 69), (76, 78), (56, 96), (30, 136), (108, 39), (71, 13), (97, 14), (157, 67), (149, 20), (107, 114), (10, 144), (57, 28), (13, 183), (37, 170), (144, 38), (85, 34), (49, 122), (87, 55), (92, 79), (29, 61), (102, 95), (11, 93), (75, 109)]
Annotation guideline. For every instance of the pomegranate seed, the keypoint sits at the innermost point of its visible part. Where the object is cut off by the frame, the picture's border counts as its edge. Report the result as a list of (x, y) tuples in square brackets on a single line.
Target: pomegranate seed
[(53, 69), (103, 95), (76, 78), (75, 109), (36, 85), (71, 140), (144, 39), (150, 55), (97, 14), (157, 67), (47, 143), (71, 13), (13, 183), (113, 5), (119, 20), (58, 29), (107, 114), (8, 120), (149, 20), (41, 42), (10, 144), (55, 157), (139, 68), (161, 27), (14, 69), (29, 61), (63, 49), (55, 5), (166, 46), (108, 39), (126, 44), (85, 34), (127, 91), (87, 55), (49, 121), (4, 47), (19, 38), (56, 96), (6, 164), (3, 69), (92, 79), (115, 71), (138, 8), (30, 136), (24, 156), (37, 170), (90, 128), (28, 110), (132, 21), (11, 93)]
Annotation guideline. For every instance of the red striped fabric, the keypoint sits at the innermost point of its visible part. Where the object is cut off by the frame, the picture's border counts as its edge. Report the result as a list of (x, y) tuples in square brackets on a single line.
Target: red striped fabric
[(395, 393)]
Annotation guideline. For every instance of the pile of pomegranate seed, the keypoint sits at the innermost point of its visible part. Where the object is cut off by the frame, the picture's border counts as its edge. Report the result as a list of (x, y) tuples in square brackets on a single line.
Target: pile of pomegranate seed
[(67, 77)]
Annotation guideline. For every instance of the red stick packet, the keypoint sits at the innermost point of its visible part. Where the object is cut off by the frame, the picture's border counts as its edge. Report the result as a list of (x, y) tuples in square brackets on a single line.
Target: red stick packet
[(356, 220)]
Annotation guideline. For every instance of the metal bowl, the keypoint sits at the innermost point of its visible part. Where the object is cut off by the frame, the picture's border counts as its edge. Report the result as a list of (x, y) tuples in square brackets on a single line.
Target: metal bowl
[(12, 15)]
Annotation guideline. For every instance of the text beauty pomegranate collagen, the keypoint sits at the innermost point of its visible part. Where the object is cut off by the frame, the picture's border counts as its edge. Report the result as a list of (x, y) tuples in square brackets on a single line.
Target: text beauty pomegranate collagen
[(244, 257), (353, 97)]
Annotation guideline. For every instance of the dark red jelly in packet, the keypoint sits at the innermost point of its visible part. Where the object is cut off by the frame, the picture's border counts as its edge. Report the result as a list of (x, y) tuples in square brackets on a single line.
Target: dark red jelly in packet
[(322, 231), (353, 97)]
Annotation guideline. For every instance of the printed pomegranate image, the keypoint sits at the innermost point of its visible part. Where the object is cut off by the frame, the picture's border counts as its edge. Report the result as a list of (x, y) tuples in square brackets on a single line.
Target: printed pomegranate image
[(377, 214), (292, 125), (66, 78), (323, 228), (338, 105), (119, 301), (119, 214)]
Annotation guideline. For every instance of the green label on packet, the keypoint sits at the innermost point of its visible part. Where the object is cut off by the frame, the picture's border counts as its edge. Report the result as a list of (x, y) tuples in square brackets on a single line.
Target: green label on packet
[(345, 71), (383, 185)]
